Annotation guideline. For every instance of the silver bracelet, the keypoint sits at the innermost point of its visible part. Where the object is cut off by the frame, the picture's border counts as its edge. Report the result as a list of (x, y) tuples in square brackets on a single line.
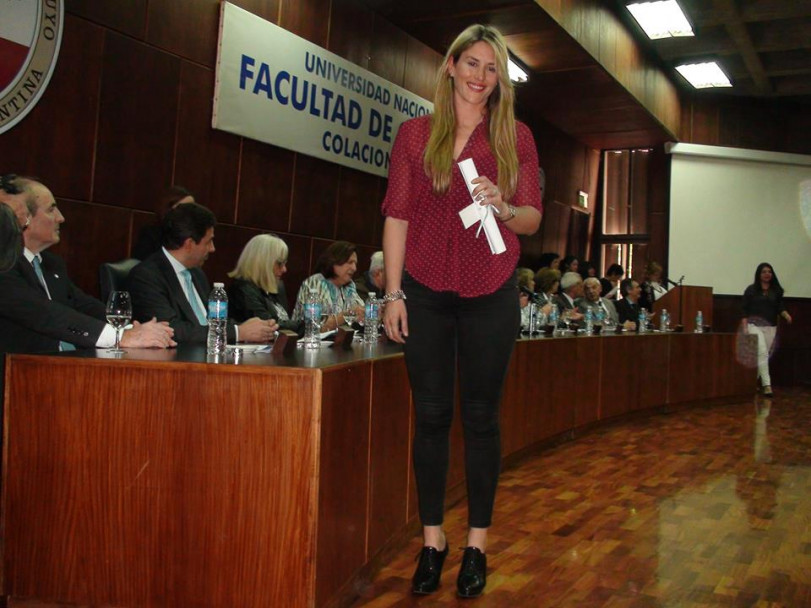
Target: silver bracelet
[(393, 296)]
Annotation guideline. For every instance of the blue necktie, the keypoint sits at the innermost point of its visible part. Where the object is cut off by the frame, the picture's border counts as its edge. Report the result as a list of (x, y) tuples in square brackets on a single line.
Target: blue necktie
[(195, 304), (63, 346)]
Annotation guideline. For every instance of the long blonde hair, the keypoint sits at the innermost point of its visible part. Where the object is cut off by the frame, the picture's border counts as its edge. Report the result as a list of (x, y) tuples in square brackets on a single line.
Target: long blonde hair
[(438, 159), (257, 260)]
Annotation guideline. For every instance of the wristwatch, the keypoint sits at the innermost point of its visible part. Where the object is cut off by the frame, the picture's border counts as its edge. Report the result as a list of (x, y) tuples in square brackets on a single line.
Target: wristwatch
[(511, 210)]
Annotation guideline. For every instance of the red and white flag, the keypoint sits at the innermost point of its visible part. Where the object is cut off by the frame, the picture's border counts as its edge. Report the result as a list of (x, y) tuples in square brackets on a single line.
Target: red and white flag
[(18, 24)]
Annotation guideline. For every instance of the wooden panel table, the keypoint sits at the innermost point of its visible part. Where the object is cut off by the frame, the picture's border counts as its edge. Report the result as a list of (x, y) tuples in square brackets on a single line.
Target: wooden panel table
[(162, 480)]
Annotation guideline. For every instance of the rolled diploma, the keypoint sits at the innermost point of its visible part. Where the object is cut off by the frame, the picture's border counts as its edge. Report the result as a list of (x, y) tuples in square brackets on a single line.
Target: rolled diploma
[(478, 213)]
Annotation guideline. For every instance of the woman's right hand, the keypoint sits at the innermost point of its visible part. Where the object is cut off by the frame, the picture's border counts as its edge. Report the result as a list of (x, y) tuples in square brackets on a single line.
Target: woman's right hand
[(395, 321)]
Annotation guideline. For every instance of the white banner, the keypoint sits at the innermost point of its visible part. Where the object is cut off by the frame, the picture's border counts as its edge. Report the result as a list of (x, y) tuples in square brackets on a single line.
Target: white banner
[(276, 87)]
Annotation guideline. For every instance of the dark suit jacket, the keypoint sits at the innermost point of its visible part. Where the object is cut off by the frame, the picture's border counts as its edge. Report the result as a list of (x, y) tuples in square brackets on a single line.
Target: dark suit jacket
[(627, 311), (562, 302), (156, 292), (31, 323), (247, 300)]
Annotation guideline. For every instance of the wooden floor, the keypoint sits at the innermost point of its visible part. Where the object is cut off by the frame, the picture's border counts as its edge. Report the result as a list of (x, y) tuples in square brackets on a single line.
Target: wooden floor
[(708, 506)]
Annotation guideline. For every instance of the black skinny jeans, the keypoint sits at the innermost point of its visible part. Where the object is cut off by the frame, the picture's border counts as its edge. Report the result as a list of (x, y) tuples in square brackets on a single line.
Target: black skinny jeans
[(479, 334)]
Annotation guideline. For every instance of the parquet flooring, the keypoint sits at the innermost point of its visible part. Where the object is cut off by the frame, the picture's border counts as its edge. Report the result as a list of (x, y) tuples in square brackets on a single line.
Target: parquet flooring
[(706, 506)]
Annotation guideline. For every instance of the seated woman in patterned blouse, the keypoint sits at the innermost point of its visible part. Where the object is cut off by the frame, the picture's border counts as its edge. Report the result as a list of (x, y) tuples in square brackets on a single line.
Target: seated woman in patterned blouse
[(258, 290), (333, 285)]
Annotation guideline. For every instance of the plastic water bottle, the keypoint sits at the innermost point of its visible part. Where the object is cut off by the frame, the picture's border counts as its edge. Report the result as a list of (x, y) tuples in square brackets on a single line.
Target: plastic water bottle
[(664, 320), (312, 317), (554, 315), (533, 318), (371, 317), (643, 320), (699, 322), (589, 321), (217, 320)]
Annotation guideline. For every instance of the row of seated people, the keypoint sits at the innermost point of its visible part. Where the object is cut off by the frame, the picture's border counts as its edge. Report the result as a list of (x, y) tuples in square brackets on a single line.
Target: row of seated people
[(573, 296), (653, 286), (44, 311)]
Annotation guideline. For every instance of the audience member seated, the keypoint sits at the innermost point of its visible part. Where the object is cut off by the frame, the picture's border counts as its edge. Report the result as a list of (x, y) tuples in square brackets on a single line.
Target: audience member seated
[(628, 307), (374, 280), (43, 311), (571, 285), (611, 281), (547, 282), (586, 270), (333, 285), (569, 264), (171, 286), (149, 237), (258, 289), (10, 238), (549, 260), (526, 292), (652, 288), (592, 300)]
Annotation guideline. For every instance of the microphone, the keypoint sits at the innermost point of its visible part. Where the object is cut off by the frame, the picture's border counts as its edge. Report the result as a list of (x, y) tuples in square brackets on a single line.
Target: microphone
[(674, 283), (534, 298)]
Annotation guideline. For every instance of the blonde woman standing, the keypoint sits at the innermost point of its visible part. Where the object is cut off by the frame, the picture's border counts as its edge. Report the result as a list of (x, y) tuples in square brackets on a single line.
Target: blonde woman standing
[(449, 299)]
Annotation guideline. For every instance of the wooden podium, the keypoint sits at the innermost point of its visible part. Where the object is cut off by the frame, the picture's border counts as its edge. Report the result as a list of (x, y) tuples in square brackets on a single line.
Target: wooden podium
[(683, 303)]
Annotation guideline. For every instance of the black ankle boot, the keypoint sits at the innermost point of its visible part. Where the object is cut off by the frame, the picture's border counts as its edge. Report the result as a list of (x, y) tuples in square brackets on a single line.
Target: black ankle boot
[(429, 570), (472, 573)]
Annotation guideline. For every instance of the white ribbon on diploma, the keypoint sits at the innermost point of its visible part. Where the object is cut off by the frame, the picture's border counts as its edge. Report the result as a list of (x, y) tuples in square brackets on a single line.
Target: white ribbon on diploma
[(480, 213)]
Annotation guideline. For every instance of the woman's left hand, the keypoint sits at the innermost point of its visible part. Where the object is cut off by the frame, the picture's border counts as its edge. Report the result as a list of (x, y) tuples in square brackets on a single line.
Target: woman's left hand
[(487, 193), (787, 317)]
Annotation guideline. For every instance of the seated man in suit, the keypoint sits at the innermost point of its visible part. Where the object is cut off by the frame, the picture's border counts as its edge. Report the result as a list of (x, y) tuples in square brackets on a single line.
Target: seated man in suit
[(628, 307), (373, 281), (571, 288), (171, 286), (42, 310), (592, 300)]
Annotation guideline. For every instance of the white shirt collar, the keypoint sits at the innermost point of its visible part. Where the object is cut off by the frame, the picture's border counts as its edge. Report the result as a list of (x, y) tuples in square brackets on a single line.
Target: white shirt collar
[(30, 255), (178, 267)]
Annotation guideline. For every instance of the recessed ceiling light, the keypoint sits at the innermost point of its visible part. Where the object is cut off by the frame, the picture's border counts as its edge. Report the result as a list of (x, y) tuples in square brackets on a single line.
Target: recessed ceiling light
[(662, 19), (704, 75), (517, 73)]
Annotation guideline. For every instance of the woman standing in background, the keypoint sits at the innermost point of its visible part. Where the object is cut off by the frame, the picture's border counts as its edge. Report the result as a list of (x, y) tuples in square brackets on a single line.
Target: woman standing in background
[(762, 305), (449, 299)]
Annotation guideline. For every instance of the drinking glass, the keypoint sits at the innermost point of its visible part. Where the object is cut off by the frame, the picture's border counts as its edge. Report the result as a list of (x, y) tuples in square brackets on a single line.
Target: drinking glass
[(350, 314), (326, 311), (119, 313)]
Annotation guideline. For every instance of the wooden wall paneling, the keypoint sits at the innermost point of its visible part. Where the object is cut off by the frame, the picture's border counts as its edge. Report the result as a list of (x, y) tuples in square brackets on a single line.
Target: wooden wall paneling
[(422, 63), (185, 29), (265, 186), (344, 477), (228, 242), (56, 141), (350, 32), (138, 220), (390, 465), (137, 122), (358, 217), (705, 124), (201, 508), (127, 17), (389, 50), (298, 265), (206, 160), (91, 234), (315, 197), (306, 18)]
